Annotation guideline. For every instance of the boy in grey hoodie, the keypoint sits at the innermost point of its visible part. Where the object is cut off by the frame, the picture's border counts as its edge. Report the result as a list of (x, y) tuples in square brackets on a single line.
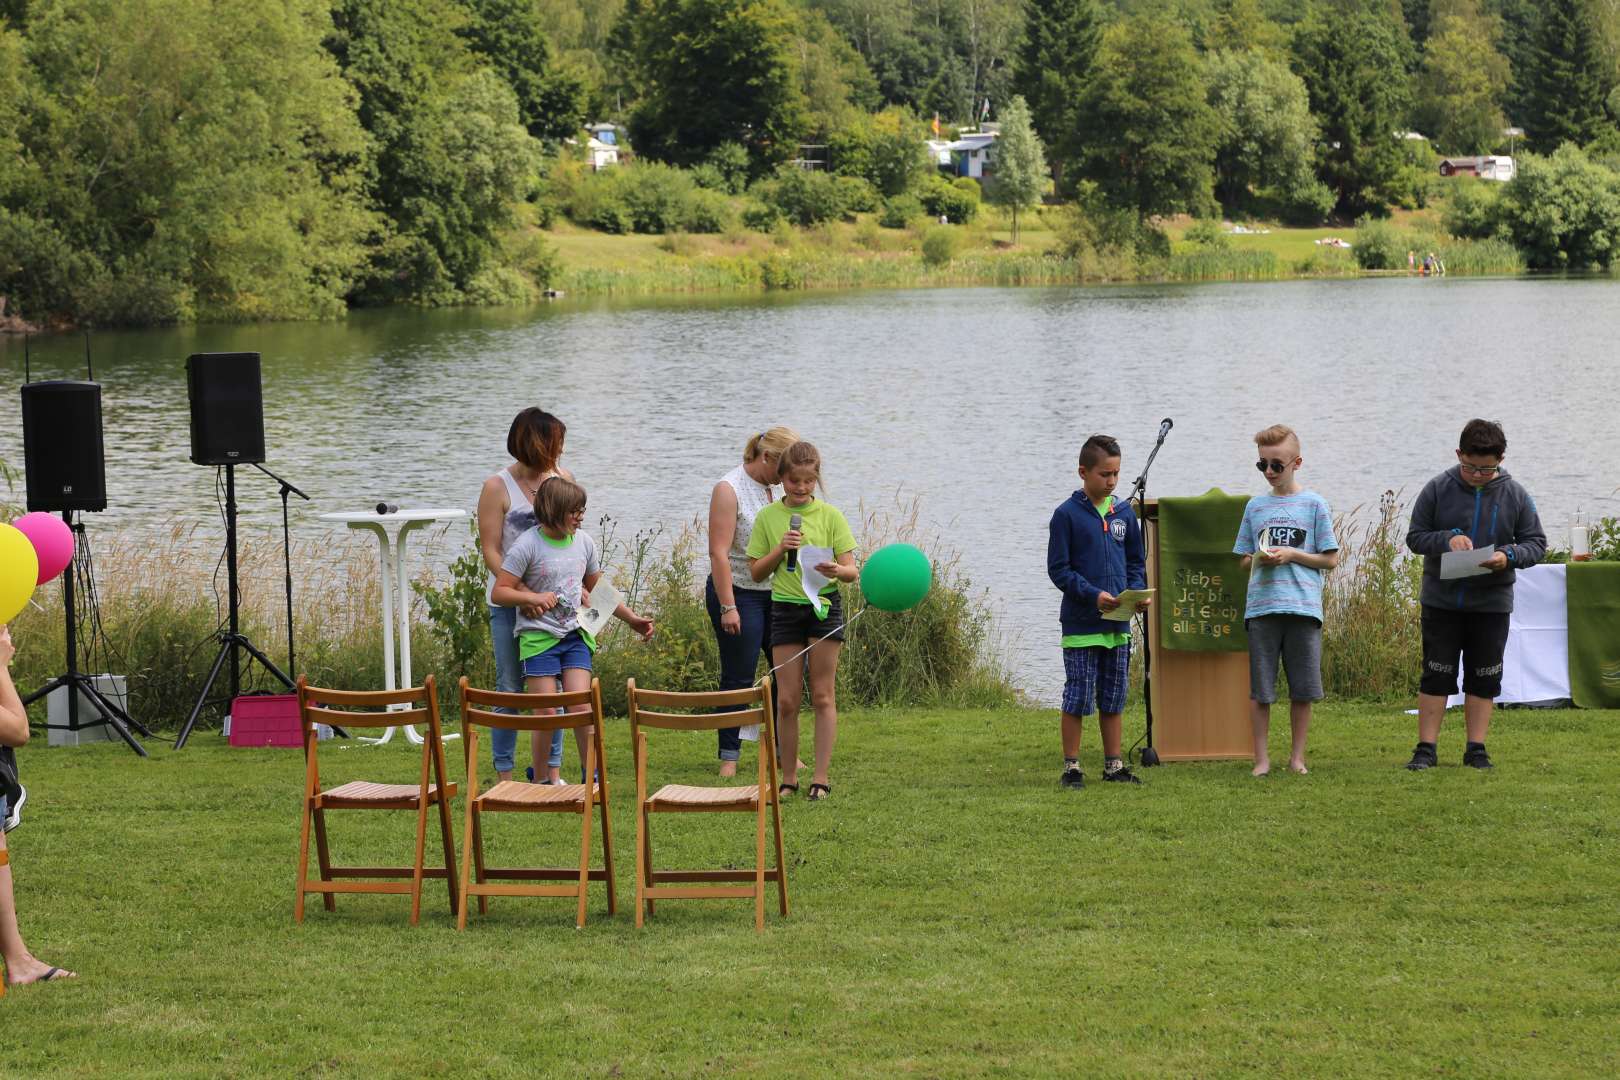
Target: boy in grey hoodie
[(1470, 506)]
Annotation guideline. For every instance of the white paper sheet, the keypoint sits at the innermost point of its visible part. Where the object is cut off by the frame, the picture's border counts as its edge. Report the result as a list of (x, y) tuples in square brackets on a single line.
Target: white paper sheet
[(1463, 564), (605, 600), (812, 579), (1127, 604)]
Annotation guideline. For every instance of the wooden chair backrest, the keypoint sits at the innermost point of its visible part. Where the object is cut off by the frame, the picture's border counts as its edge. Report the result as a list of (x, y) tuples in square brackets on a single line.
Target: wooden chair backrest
[(315, 707), (756, 700), (477, 708)]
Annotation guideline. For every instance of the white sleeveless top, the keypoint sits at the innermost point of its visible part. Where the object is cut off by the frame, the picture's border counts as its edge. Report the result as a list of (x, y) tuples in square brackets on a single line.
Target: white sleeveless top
[(752, 497), (519, 520)]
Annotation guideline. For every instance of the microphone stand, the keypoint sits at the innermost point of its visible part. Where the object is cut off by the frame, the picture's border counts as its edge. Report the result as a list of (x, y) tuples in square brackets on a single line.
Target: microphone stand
[(1150, 756), (286, 555)]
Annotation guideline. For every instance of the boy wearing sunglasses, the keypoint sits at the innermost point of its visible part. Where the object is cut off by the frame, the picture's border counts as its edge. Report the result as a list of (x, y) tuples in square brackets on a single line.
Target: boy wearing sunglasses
[(1470, 506), (1287, 543)]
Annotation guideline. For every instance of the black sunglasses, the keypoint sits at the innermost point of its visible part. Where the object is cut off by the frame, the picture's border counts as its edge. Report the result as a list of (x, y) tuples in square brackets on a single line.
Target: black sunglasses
[(1270, 465)]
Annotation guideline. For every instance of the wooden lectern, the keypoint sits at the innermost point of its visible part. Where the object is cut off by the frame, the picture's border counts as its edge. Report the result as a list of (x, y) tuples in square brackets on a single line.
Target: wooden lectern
[(1200, 699)]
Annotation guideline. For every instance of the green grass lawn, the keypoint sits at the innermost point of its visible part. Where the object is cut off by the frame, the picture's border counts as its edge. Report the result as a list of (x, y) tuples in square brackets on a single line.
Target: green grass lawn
[(954, 914)]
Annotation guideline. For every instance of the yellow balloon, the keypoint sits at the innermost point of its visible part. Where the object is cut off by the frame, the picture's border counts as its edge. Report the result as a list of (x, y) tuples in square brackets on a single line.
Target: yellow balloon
[(19, 571)]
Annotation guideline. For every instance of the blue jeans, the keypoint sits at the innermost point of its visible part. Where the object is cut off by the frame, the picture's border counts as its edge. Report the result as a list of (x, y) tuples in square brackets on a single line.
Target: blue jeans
[(739, 652), (509, 680)]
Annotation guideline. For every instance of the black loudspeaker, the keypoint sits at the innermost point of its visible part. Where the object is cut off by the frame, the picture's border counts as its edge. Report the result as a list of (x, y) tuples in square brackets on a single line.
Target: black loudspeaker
[(62, 451), (227, 408)]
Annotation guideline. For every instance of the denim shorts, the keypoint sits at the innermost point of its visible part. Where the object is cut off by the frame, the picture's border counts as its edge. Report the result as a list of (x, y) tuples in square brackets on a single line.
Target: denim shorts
[(570, 652), (1295, 641)]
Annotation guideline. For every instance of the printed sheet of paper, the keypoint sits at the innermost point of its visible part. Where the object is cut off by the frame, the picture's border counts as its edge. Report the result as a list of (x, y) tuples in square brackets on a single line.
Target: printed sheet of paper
[(605, 600), (1127, 604), (1461, 564), (813, 580)]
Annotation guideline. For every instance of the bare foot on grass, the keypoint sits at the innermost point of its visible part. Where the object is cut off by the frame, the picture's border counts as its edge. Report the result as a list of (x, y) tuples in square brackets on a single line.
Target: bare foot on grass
[(1298, 766), (29, 970), (1261, 768), (728, 768)]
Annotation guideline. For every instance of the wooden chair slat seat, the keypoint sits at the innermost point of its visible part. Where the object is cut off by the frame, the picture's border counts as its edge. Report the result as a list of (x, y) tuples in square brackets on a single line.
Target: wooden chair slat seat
[(692, 795), (366, 791), (538, 712), (517, 793), (431, 789), (749, 705)]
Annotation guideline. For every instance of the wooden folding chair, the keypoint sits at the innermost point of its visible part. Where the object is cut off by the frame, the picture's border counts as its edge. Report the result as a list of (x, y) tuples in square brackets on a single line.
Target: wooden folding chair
[(340, 708), (514, 795), (684, 798)]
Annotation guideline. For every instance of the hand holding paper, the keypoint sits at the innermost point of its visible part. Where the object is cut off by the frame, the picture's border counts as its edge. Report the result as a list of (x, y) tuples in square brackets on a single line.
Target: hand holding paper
[(604, 601), (1127, 604), (814, 580), (1466, 563)]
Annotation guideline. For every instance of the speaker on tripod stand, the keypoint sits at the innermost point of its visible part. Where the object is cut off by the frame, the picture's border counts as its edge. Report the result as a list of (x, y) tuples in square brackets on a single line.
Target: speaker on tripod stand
[(65, 466), (227, 428)]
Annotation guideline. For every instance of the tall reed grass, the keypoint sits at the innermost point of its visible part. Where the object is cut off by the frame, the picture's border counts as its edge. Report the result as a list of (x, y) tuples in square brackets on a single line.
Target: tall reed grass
[(1371, 638)]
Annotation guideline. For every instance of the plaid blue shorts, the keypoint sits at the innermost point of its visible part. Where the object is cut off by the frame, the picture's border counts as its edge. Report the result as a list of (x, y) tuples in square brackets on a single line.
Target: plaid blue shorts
[(1096, 674)]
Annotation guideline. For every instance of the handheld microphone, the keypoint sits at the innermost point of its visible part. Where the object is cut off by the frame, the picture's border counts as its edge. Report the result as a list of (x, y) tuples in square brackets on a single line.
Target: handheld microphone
[(387, 508), (1165, 426), (793, 554)]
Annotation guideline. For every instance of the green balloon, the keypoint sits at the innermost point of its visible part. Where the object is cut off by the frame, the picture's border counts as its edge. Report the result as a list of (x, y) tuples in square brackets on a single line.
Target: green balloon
[(896, 577)]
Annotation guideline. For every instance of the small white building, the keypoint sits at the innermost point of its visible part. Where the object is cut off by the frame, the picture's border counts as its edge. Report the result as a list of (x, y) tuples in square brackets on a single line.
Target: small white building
[(602, 146), (973, 154), (1494, 167)]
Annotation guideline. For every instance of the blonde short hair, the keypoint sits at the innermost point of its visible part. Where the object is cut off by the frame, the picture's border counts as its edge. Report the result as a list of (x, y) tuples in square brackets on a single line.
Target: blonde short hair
[(771, 443), (1277, 435)]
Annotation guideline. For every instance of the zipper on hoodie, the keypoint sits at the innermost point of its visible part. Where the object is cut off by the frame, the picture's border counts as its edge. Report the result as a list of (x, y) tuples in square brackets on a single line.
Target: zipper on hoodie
[(1479, 493)]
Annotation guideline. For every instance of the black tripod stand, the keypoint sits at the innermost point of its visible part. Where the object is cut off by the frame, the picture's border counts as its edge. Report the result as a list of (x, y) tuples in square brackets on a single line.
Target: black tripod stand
[(232, 639), (1150, 756), (78, 683)]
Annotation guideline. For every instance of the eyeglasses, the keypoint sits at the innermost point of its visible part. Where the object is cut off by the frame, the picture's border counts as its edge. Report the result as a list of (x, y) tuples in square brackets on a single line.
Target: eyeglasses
[(579, 513), (1271, 465), (1480, 470)]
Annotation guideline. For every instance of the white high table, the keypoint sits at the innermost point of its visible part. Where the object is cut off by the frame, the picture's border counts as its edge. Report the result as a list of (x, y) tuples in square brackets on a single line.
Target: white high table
[(392, 531)]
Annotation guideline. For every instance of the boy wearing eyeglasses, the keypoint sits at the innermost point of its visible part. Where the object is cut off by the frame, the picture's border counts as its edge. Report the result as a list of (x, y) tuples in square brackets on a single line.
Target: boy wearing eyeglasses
[(1287, 544), (1467, 507)]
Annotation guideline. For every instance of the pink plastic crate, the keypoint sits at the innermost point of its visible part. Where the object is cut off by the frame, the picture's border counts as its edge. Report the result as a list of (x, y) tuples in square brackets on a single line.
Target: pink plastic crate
[(266, 720)]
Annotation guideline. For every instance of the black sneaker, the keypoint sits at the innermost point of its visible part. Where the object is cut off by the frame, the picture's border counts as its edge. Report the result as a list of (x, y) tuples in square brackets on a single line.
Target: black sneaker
[(1477, 758), (1121, 775), (14, 814), (1423, 758), (1073, 778)]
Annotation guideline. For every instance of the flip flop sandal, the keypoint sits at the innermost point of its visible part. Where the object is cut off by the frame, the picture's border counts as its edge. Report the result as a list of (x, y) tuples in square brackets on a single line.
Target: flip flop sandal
[(819, 792), (787, 789)]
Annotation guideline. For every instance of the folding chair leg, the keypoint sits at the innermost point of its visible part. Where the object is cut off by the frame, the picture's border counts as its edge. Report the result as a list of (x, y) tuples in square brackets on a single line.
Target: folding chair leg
[(646, 840), (466, 865), (329, 900), (607, 852), (449, 852), (584, 863), (303, 865), (477, 844), (641, 864), (759, 868), (416, 867), (781, 868)]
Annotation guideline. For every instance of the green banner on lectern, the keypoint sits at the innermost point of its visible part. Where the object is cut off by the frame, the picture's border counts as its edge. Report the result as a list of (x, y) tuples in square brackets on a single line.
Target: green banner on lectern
[(1593, 602), (1202, 585)]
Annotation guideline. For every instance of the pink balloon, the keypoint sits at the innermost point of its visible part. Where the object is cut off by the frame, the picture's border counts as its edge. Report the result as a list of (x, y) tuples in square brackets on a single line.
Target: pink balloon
[(52, 540)]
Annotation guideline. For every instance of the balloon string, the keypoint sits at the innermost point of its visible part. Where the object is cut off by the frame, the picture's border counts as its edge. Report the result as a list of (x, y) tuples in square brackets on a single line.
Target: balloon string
[(847, 624)]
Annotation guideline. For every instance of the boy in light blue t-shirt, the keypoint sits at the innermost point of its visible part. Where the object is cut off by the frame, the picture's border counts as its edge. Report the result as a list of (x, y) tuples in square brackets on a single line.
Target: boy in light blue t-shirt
[(1287, 543)]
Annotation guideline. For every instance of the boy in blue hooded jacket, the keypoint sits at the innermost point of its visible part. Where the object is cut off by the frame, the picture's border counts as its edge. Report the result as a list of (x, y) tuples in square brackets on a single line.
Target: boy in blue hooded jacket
[(1470, 506), (1094, 552)]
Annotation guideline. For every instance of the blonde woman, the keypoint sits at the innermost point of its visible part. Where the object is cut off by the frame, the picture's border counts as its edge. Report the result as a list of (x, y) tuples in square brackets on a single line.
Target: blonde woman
[(739, 606)]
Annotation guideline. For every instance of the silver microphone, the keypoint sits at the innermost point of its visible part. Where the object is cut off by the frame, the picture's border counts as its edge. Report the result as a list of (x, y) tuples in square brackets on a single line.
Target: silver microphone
[(793, 554)]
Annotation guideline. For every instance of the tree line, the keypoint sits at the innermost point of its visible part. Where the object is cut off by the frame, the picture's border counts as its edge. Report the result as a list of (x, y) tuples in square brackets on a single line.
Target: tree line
[(170, 160)]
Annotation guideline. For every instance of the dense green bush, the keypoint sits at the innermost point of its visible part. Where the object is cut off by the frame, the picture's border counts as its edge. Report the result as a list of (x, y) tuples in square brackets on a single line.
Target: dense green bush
[(803, 196), (969, 187), (939, 246), (1563, 210), (940, 196), (761, 216), (658, 196), (709, 212), (885, 149), (858, 196), (900, 211), (1379, 245), (1476, 209), (1207, 233)]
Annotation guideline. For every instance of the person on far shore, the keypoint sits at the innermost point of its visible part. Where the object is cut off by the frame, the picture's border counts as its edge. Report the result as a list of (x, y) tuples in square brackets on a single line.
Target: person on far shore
[(801, 636), (1287, 544), (506, 512), (1094, 551), (1472, 505), (740, 607), (20, 964)]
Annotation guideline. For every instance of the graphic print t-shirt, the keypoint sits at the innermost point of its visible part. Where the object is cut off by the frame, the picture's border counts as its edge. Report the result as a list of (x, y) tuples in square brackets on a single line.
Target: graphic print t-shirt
[(555, 566), (1300, 521)]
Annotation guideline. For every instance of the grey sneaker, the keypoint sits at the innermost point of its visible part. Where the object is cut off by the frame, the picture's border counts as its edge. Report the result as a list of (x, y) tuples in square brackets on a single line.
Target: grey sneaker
[(1073, 778), (1121, 775), (14, 814)]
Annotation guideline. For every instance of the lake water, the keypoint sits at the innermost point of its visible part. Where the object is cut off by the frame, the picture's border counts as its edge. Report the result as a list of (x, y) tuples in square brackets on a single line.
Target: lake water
[(972, 401)]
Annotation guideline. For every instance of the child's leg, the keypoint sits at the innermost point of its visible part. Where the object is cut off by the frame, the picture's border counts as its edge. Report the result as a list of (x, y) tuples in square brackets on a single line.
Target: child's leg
[(1302, 656), (1260, 723), (1484, 644), (1442, 647), (1071, 735), (824, 700), (1111, 726), (540, 684), (1265, 653), (1079, 690), (574, 680), (1113, 684), (789, 689), (1299, 726)]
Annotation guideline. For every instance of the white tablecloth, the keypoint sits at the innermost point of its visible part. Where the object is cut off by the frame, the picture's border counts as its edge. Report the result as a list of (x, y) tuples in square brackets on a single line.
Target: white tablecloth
[(1536, 665)]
